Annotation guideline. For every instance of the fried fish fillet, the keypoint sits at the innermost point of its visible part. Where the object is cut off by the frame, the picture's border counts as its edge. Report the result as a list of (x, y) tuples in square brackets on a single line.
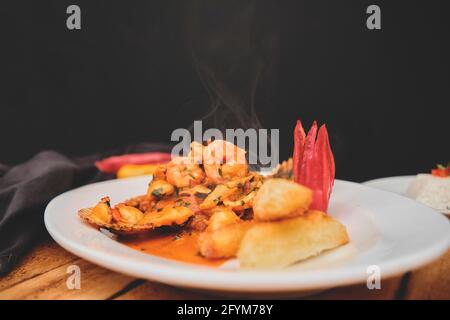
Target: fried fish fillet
[(282, 243)]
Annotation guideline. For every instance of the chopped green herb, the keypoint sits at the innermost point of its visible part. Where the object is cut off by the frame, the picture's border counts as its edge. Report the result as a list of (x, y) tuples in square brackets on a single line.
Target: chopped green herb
[(158, 193), (181, 202)]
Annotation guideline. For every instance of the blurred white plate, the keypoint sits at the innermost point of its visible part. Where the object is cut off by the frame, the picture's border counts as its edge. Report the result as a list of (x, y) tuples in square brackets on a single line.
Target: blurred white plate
[(392, 232), (397, 185)]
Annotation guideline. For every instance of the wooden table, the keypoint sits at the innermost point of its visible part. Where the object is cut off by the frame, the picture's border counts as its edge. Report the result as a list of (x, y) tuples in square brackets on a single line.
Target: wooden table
[(42, 274)]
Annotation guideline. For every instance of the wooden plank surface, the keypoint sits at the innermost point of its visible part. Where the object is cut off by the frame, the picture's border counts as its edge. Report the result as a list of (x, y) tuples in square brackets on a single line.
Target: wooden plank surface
[(389, 291), (431, 282), (45, 257), (156, 291), (43, 274), (96, 283)]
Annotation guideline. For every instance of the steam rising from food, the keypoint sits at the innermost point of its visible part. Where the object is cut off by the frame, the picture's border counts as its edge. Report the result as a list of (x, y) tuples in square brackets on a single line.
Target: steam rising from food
[(233, 50)]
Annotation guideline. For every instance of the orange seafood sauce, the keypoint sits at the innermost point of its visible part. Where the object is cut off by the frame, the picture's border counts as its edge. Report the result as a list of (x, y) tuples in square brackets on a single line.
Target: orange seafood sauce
[(168, 244)]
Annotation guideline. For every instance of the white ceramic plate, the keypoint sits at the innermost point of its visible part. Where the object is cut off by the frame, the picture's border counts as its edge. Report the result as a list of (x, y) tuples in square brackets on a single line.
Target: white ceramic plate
[(389, 231), (397, 185)]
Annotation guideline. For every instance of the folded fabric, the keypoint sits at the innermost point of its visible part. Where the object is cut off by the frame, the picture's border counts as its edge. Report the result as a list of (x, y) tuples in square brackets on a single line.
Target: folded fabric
[(26, 189)]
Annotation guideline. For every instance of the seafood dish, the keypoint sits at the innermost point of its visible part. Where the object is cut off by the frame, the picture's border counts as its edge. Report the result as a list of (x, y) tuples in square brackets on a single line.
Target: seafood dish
[(208, 207)]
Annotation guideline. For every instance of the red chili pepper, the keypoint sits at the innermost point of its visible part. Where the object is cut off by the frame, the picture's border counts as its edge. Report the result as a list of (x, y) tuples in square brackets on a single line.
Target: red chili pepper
[(308, 153), (331, 164), (316, 167), (114, 163), (299, 142), (322, 177)]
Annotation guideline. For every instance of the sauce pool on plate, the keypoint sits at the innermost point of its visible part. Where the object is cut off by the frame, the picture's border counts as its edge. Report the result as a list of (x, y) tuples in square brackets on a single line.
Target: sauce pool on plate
[(172, 245)]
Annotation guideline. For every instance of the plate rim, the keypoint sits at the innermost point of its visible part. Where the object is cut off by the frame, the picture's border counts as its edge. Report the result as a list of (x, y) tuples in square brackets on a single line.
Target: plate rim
[(371, 181)]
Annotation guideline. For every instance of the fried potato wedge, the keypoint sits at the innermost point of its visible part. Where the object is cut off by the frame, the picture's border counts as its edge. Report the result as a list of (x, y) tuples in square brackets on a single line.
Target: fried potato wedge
[(282, 243), (222, 217), (223, 242), (280, 199)]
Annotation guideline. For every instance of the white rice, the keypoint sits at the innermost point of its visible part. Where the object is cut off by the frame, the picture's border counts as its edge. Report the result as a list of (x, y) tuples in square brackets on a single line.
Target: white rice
[(431, 191)]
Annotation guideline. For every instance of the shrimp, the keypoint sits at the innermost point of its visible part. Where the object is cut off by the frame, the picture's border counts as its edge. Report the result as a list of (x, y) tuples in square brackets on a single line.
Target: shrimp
[(182, 172), (223, 161), (160, 172)]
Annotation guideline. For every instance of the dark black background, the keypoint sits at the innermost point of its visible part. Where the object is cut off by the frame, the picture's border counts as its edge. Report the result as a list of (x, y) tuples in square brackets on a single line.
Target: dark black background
[(130, 75)]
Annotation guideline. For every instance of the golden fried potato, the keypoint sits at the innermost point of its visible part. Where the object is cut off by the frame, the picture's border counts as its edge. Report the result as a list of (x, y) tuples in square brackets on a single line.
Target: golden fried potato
[(282, 243), (222, 217), (279, 199), (223, 242)]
